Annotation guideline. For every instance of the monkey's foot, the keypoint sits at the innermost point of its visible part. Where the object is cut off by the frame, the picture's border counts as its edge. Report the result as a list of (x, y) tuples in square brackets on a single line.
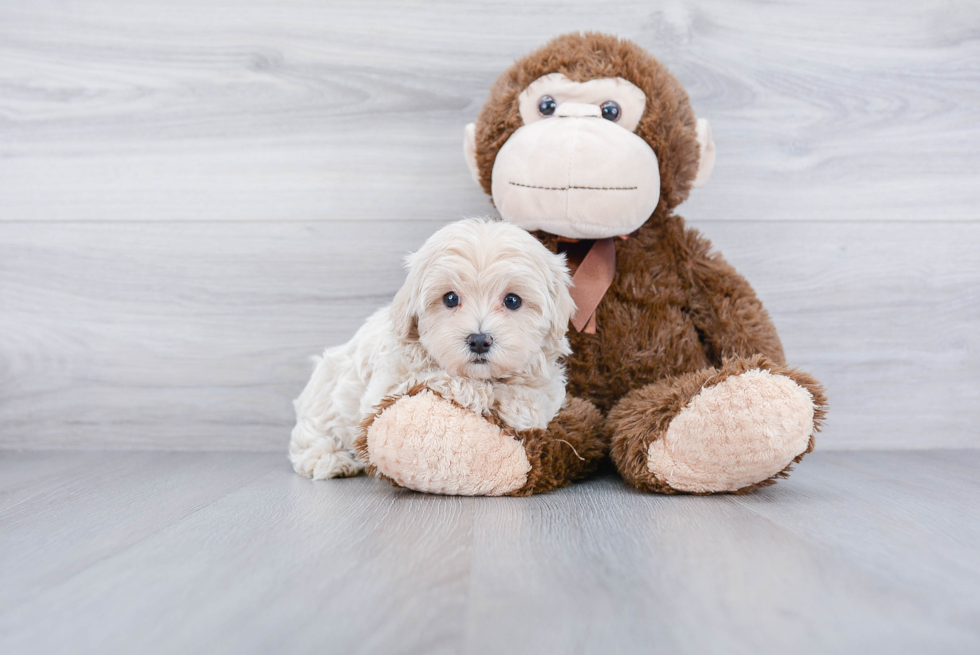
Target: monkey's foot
[(729, 430), (429, 444)]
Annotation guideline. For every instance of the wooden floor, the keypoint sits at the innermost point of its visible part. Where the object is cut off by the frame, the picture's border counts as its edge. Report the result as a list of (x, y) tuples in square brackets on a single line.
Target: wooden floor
[(863, 552)]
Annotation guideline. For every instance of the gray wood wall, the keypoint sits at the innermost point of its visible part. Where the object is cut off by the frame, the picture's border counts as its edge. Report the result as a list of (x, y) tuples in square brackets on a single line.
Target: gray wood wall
[(195, 196)]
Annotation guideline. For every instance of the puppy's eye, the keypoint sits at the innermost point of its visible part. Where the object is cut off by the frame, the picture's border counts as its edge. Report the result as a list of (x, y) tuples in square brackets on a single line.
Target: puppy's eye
[(512, 301), (547, 106), (450, 300), (610, 111)]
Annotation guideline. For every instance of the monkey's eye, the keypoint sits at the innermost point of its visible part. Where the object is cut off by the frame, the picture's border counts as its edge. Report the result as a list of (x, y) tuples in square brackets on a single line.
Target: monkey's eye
[(450, 300), (547, 106), (512, 301), (610, 111)]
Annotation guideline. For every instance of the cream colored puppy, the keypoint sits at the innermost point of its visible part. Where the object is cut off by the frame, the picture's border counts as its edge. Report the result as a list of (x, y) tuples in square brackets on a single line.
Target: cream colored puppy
[(481, 320)]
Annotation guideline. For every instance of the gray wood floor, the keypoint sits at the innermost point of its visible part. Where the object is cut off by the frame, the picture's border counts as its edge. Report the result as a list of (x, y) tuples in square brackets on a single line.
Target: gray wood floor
[(859, 552)]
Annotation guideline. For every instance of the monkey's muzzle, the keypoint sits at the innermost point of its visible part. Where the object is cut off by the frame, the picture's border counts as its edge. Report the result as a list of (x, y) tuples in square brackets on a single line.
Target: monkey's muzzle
[(579, 176)]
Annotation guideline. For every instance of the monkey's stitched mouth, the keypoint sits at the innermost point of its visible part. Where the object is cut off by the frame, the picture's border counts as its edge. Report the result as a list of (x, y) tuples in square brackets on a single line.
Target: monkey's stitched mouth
[(566, 188)]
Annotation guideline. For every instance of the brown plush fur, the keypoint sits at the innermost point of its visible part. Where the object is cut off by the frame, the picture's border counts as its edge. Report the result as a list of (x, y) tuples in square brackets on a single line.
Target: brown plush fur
[(676, 317), (569, 449), (672, 308)]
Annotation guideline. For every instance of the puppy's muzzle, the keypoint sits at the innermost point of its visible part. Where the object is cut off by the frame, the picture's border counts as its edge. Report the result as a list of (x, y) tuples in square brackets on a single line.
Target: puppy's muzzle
[(479, 343)]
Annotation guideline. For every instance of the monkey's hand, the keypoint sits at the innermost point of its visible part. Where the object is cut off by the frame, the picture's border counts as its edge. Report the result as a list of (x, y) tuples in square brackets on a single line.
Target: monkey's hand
[(426, 443)]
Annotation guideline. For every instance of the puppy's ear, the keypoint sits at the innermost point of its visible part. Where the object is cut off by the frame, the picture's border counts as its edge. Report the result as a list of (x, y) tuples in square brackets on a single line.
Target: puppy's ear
[(404, 308), (564, 306)]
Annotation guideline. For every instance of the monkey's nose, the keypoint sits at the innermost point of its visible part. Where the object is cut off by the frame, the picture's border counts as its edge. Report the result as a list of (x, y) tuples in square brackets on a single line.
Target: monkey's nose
[(479, 343), (578, 110)]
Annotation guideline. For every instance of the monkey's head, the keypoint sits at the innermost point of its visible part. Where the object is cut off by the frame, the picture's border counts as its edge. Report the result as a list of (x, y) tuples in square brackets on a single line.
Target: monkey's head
[(587, 138)]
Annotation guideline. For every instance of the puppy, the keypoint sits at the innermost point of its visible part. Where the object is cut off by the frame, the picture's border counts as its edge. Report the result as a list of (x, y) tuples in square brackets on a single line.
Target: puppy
[(481, 320)]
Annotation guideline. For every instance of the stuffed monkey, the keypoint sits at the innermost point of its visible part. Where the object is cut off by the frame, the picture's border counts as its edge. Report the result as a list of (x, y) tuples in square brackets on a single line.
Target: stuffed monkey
[(677, 372)]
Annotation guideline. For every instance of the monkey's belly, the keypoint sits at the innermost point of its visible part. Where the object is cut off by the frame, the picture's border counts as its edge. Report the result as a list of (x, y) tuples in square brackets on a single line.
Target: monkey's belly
[(634, 346)]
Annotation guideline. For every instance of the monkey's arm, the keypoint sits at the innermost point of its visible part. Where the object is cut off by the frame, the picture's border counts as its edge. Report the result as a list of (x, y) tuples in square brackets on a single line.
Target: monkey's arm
[(730, 318)]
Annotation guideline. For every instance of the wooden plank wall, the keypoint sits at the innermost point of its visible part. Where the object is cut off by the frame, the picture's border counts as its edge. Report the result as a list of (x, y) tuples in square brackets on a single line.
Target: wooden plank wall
[(195, 196)]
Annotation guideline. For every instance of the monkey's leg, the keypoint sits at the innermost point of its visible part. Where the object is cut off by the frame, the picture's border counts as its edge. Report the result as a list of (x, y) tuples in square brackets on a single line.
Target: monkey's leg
[(569, 449), (732, 429), (426, 443)]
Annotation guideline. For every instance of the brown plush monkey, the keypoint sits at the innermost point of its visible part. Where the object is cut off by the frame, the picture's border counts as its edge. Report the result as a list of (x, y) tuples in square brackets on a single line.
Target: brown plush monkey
[(677, 370)]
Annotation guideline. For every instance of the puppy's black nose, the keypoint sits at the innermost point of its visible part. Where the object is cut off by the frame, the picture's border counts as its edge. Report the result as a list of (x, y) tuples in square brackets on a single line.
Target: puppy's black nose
[(479, 343)]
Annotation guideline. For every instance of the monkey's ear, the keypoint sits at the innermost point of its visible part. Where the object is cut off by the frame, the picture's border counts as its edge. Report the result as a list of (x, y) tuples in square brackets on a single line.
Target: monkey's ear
[(469, 151), (706, 145)]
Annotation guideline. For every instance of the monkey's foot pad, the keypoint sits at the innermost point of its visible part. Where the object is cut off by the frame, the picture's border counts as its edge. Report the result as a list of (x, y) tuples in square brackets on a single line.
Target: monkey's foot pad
[(429, 444), (735, 434)]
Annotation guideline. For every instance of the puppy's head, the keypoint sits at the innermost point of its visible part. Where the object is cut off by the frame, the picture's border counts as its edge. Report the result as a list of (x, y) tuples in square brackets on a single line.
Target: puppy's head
[(486, 300)]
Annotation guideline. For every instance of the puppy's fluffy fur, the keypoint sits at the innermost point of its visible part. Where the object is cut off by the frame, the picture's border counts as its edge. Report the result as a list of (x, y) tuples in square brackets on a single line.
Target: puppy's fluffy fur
[(418, 339)]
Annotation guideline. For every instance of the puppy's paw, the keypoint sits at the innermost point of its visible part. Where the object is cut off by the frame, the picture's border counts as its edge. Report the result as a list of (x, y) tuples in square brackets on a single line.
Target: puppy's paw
[(428, 444), (323, 461)]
